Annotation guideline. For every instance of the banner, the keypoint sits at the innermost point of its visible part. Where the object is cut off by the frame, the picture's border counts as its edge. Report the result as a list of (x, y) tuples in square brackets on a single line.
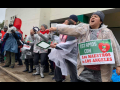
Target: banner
[(96, 52)]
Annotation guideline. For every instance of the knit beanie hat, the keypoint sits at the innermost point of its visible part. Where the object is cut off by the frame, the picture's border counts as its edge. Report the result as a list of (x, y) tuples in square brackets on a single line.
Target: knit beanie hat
[(10, 25), (100, 14), (74, 17), (45, 26)]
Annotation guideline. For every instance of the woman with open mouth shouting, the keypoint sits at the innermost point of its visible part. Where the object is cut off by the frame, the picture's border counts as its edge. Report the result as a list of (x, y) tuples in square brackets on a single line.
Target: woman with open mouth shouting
[(94, 31)]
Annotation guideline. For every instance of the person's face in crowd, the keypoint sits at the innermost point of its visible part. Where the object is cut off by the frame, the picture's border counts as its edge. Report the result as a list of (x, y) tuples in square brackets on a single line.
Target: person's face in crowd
[(32, 32), (95, 22), (5, 29), (67, 22), (43, 28)]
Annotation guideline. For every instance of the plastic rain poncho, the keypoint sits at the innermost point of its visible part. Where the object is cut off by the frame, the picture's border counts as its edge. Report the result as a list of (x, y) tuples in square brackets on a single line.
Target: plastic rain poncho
[(68, 52)]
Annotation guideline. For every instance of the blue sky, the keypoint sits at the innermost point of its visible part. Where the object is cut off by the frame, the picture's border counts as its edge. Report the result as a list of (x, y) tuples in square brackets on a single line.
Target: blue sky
[(2, 14)]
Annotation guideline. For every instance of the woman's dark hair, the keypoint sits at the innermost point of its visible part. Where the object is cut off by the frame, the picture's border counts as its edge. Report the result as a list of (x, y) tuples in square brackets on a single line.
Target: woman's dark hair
[(10, 25), (70, 22)]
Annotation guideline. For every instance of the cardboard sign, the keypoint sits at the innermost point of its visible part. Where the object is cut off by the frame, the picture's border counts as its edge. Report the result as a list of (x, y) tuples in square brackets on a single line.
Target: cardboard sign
[(43, 45), (26, 47), (96, 52)]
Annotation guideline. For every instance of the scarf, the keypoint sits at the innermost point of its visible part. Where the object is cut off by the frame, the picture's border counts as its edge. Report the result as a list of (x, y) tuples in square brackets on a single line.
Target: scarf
[(45, 32)]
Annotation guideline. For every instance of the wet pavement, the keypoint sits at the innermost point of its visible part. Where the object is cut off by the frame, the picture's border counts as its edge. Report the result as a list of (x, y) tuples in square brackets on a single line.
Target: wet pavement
[(5, 78), (28, 77)]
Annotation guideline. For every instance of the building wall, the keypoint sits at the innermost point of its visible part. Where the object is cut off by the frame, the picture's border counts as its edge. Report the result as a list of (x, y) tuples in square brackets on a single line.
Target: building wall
[(45, 16), (112, 20), (57, 13), (29, 16), (37, 16)]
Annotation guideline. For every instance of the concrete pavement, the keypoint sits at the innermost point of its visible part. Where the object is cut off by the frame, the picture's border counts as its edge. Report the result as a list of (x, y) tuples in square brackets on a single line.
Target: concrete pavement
[(17, 72)]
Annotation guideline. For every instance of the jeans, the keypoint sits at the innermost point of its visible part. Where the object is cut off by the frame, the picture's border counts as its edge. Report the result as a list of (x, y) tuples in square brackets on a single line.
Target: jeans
[(8, 56), (42, 57)]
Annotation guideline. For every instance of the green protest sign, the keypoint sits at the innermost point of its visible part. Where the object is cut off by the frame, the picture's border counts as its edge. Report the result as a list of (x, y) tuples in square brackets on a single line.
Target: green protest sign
[(96, 52)]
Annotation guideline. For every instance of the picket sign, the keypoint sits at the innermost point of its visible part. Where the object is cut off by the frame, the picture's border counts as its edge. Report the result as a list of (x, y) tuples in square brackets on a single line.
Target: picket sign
[(28, 47), (96, 52), (43, 45)]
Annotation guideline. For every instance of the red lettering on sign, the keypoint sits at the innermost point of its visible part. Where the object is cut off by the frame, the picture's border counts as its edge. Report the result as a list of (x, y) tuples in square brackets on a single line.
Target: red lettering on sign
[(101, 59), (89, 56), (110, 59), (88, 61), (26, 46), (84, 57), (103, 55), (107, 59), (83, 62), (100, 55), (94, 60)]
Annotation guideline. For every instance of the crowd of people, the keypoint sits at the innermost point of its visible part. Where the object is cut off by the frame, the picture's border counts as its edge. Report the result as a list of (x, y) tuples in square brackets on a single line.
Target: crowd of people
[(63, 56)]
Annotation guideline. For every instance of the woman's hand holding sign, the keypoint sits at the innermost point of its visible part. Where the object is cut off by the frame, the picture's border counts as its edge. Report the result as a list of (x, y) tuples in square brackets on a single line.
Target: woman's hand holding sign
[(53, 45)]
